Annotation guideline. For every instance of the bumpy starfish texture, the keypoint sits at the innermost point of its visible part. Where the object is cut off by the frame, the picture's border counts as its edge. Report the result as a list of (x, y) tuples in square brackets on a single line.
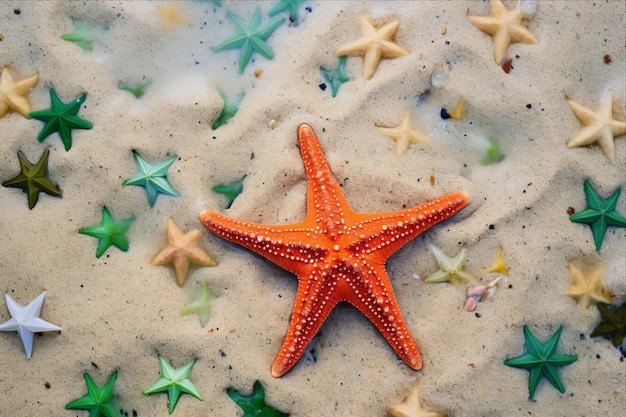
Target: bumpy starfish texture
[(499, 266), (403, 134), (337, 255), (250, 37), (230, 109), (98, 400), (170, 15), (61, 118), (201, 305), (109, 232), (33, 179), (153, 178), (181, 250), (598, 126), (411, 406), (613, 324), (26, 322), (450, 269), (599, 214), (13, 93), (175, 382), (254, 405), (290, 6), (230, 190), (84, 34), (373, 44), (504, 26), (541, 360), (336, 76), (587, 289)]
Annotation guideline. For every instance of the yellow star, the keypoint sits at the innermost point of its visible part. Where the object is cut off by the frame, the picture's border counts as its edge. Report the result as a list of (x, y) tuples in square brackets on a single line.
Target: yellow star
[(587, 288), (504, 26), (182, 249), (411, 407), (403, 134), (500, 266), (373, 45), (599, 126), (170, 15), (12, 93)]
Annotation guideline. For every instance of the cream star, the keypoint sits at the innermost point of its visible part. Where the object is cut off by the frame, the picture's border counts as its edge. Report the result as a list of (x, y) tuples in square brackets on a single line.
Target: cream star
[(403, 134), (12, 93), (373, 44), (599, 126), (504, 26), (411, 406), (587, 289), (450, 269), (182, 249)]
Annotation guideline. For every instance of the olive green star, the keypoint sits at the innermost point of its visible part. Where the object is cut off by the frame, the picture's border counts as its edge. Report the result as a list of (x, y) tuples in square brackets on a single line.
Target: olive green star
[(153, 178), (541, 360), (230, 190), (175, 382), (613, 324), (231, 107), (34, 179), (336, 76), (201, 305), (98, 400), (254, 405), (599, 214), (109, 232), (286, 5), (61, 118)]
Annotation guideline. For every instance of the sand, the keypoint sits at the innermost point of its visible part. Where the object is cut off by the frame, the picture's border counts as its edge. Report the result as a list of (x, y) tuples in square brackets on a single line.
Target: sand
[(118, 312)]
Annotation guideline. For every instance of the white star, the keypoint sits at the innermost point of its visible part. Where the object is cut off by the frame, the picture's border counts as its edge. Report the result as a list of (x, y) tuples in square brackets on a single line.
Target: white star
[(26, 322)]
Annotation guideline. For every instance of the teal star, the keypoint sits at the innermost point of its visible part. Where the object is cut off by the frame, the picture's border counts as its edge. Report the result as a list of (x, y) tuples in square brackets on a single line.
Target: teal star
[(254, 405), (336, 76), (250, 37), (201, 305), (136, 89), (84, 35), (599, 214), (61, 118), (33, 179), (153, 178), (230, 190), (231, 106), (175, 382), (97, 400), (541, 360), (290, 5), (613, 324), (109, 232)]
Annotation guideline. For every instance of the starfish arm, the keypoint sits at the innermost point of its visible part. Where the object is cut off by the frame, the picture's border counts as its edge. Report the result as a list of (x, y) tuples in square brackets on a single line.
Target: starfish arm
[(232, 43), (163, 186), (187, 386), (354, 48), (519, 34), (586, 216), (48, 129), (525, 361), (585, 136), (548, 348), (614, 219), (485, 24), (160, 169), (371, 59), (535, 375), (83, 403), (501, 41), (162, 384), (583, 114), (35, 325), (391, 50), (557, 359), (610, 203), (245, 55), (261, 47), (267, 29), (607, 143), (75, 122)]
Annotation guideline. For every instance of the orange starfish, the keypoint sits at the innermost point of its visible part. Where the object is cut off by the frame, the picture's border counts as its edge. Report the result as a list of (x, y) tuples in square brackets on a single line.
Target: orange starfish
[(338, 255)]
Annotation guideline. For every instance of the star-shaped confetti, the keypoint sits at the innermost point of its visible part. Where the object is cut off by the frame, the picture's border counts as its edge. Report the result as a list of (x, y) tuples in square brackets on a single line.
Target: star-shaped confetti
[(599, 214), (170, 15), (33, 179), (231, 190), (61, 118), (286, 5), (175, 382), (181, 250), (499, 266), (152, 178), (136, 89), (411, 406), (13, 93), (26, 322), (231, 106), (541, 360), (403, 134), (84, 34), (586, 288), (254, 405), (201, 305), (613, 323), (98, 400), (250, 37), (336, 76), (109, 232), (450, 269)]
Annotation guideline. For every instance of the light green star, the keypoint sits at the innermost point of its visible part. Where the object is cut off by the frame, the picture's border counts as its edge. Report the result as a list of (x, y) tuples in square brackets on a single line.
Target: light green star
[(108, 232), (33, 179), (153, 178), (84, 35), (201, 305), (230, 190), (450, 269), (175, 382), (97, 401), (289, 5), (231, 107), (254, 405), (137, 89)]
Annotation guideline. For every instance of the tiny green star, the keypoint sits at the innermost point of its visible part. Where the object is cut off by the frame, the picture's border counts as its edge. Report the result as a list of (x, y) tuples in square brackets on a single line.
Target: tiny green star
[(541, 360), (492, 153), (175, 382), (450, 269), (230, 190), (249, 37), (613, 324), (289, 5), (153, 178), (201, 305), (61, 118), (109, 232), (136, 89), (254, 405), (231, 106), (84, 35), (34, 179), (599, 214), (97, 401), (336, 76)]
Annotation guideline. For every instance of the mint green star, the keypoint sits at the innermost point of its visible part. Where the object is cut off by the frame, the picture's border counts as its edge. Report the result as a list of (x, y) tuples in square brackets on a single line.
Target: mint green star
[(254, 405), (34, 179), (230, 190), (290, 5), (136, 89), (599, 214), (231, 106), (84, 35), (250, 37), (541, 360), (336, 76), (153, 178), (175, 382), (201, 305), (97, 401), (109, 232), (61, 118)]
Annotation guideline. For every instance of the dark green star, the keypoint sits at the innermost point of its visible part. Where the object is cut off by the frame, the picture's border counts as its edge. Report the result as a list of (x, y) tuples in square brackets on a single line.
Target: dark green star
[(230, 190), (254, 405), (250, 37), (231, 106), (175, 382), (61, 118), (613, 324), (290, 5), (108, 232), (153, 178), (541, 360), (34, 179), (97, 401), (599, 214), (336, 76)]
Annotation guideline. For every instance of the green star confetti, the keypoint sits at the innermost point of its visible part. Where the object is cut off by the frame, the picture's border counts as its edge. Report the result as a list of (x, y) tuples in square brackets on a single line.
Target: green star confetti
[(336, 76), (136, 89), (152, 178), (201, 305), (109, 232), (33, 179), (231, 106), (84, 35), (286, 5), (254, 405), (98, 400), (230, 190), (175, 382), (613, 324)]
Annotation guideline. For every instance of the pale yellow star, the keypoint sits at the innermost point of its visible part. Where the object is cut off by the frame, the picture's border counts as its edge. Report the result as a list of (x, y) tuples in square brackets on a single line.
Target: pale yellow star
[(599, 126), (504, 26), (373, 44), (411, 406), (170, 15), (182, 249), (403, 134), (500, 266), (587, 289), (12, 93)]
